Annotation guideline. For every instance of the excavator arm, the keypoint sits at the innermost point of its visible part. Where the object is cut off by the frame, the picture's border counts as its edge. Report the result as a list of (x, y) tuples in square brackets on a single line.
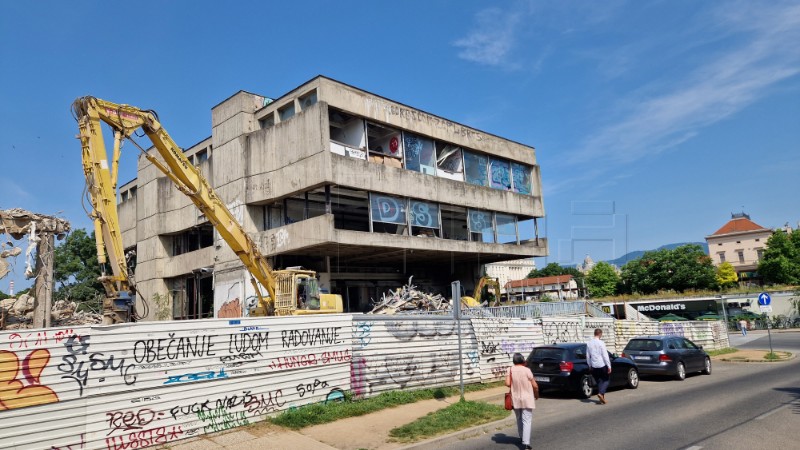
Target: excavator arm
[(101, 181)]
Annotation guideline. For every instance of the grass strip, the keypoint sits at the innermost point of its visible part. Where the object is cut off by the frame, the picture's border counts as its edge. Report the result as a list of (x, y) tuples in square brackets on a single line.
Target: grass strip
[(772, 356), (722, 351), (319, 413), (457, 416)]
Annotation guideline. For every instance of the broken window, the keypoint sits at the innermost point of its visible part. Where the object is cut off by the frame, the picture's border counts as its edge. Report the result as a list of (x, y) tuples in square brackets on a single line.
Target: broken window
[(500, 174), (449, 163), (286, 112), (384, 145), (201, 156), (132, 193), (521, 175), (124, 196), (454, 223), (273, 216), (526, 229), (424, 219), (388, 214), (347, 134), (268, 121), (350, 209), (506, 229), (420, 154), (307, 100), (192, 296), (476, 168), (480, 226), (192, 239)]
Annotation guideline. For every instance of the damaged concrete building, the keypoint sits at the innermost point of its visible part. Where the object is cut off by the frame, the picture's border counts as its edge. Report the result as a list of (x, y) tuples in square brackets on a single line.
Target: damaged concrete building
[(362, 189)]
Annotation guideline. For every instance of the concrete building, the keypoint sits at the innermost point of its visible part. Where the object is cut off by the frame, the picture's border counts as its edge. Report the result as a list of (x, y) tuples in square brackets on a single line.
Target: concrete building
[(741, 242), (362, 189), (559, 287), (509, 270)]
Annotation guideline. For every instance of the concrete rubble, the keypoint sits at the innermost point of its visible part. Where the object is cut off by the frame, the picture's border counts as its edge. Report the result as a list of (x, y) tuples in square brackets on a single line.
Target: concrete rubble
[(409, 298), (16, 313)]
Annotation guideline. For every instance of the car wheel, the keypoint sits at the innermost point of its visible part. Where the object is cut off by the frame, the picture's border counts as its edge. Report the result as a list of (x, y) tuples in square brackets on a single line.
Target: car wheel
[(680, 374), (707, 367), (633, 378), (585, 387)]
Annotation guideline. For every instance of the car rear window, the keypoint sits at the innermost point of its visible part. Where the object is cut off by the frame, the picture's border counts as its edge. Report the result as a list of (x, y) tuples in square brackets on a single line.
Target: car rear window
[(644, 344), (548, 353)]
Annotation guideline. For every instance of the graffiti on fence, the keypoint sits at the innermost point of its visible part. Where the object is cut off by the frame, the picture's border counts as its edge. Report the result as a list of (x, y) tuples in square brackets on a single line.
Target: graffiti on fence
[(20, 381)]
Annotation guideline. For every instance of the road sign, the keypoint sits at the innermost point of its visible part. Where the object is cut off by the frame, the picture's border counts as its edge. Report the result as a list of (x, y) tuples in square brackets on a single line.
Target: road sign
[(764, 299), (765, 308)]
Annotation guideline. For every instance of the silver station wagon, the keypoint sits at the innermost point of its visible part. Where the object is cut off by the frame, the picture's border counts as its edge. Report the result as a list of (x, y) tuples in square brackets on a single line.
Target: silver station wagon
[(667, 355)]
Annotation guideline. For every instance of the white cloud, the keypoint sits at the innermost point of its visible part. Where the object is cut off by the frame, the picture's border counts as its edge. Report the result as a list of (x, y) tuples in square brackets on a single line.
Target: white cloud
[(491, 41), (764, 53)]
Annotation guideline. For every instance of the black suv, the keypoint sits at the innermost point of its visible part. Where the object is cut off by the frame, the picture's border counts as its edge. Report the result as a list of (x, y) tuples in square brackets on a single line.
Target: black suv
[(563, 367)]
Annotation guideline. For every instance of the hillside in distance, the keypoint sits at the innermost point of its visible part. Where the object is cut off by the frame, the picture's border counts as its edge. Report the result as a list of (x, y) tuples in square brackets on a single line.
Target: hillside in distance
[(630, 256)]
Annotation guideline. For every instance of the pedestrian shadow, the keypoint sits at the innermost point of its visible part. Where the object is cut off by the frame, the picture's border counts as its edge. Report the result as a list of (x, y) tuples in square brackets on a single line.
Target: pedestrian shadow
[(502, 438), (795, 401)]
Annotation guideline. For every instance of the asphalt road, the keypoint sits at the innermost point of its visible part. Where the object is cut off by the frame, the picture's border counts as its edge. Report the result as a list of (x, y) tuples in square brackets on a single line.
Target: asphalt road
[(738, 406)]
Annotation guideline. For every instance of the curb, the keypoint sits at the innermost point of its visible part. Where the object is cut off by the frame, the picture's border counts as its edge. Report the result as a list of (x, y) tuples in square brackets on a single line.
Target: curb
[(791, 357), (458, 436)]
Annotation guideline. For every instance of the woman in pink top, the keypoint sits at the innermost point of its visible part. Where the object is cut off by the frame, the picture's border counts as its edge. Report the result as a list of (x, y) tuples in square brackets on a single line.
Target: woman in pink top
[(520, 380)]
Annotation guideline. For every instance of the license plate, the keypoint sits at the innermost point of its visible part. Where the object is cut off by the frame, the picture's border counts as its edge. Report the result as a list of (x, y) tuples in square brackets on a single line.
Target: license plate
[(542, 379), (641, 357)]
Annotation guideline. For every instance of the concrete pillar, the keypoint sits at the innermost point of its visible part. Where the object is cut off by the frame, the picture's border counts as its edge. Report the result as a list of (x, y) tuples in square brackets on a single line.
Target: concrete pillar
[(43, 288)]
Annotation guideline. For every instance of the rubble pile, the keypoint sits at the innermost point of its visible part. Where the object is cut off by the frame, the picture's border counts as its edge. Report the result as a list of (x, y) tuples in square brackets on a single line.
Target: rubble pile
[(18, 313), (409, 298)]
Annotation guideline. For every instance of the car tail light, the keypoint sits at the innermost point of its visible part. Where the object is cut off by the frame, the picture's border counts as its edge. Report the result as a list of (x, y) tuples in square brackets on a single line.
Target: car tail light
[(664, 358), (624, 355), (566, 366)]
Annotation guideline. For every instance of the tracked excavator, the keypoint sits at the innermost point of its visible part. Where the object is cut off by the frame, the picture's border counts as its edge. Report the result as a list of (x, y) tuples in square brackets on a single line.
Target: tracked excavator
[(477, 296), (293, 291)]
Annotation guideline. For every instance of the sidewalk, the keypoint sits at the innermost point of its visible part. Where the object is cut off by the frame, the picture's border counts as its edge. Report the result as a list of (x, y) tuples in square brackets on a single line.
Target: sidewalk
[(370, 431)]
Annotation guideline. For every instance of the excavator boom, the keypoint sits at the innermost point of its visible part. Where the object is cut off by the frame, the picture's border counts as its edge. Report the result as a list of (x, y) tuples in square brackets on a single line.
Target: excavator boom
[(101, 180)]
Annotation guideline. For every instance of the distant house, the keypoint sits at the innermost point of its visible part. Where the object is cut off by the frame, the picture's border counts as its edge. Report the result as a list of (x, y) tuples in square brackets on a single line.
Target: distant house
[(509, 270), (741, 242), (561, 287)]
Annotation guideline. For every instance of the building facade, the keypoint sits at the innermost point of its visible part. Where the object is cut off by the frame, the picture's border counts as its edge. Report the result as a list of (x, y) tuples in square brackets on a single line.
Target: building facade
[(740, 242), (559, 287), (509, 270), (362, 189)]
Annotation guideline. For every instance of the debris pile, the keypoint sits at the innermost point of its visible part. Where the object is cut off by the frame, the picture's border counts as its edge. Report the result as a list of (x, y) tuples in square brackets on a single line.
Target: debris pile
[(409, 298), (17, 313), (66, 313)]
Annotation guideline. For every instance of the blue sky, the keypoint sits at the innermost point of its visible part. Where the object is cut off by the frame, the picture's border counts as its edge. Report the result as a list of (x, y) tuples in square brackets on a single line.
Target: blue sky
[(652, 121)]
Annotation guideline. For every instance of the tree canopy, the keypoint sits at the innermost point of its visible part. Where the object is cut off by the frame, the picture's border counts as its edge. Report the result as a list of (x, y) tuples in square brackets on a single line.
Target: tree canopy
[(602, 280), (76, 268), (726, 275), (554, 269), (684, 268), (781, 261)]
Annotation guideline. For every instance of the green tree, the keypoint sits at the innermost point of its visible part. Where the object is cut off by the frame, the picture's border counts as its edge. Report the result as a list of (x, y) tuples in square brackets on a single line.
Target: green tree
[(781, 261), (76, 268), (726, 275), (602, 280), (683, 268)]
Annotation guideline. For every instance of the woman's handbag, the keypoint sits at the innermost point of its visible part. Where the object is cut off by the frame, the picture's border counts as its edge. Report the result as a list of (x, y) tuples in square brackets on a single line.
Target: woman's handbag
[(509, 403)]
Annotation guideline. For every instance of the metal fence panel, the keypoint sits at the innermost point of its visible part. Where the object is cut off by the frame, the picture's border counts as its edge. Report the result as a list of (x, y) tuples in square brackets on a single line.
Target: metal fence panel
[(136, 385), (394, 353)]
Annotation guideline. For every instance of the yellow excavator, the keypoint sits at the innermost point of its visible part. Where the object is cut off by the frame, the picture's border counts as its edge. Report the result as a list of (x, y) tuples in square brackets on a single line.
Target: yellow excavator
[(293, 291), (477, 295)]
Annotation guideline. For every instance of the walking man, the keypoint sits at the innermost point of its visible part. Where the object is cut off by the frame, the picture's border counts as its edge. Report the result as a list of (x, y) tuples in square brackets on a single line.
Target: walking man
[(743, 326), (599, 364)]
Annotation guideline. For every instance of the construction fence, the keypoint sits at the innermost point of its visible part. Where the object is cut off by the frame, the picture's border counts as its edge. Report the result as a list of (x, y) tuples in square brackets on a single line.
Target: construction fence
[(138, 385)]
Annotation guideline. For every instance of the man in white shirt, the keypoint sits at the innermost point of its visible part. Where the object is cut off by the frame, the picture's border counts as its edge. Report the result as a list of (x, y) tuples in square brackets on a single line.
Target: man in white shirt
[(599, 364)]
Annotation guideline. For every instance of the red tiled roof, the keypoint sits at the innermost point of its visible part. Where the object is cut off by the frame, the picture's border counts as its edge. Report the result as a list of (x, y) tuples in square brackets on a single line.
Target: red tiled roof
[(543, 281), (738, 225)]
